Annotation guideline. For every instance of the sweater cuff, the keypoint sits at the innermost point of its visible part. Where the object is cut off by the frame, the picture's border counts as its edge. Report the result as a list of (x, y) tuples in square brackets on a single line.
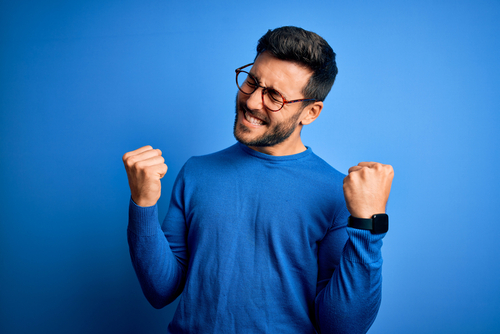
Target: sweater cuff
[(143, 221), (363, 246)]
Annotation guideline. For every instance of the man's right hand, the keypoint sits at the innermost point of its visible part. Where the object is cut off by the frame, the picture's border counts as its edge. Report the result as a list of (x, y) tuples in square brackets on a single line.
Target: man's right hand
[(145, 167)]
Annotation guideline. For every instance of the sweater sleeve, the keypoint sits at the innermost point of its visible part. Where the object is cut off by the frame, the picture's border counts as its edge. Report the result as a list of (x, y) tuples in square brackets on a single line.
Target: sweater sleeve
[(160, 270), (348, 299)]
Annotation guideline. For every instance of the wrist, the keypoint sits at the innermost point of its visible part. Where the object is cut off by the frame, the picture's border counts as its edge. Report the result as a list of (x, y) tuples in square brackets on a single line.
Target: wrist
[(376, 224), (143, 202), (366, 214)]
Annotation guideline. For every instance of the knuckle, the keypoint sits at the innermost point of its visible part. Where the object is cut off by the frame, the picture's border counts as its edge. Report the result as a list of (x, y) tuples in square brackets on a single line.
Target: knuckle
[(362, 170), (389, 169), (139, 165), (129, 162)]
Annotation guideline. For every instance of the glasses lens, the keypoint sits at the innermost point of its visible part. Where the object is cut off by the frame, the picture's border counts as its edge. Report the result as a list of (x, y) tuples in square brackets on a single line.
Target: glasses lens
[(273, 100), (246, 83)]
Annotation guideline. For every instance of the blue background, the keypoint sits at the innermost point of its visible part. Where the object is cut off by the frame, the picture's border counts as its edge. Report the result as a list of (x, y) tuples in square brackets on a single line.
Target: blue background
[(83, 82)]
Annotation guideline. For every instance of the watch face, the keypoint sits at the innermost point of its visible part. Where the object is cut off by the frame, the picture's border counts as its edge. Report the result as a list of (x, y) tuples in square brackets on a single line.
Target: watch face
[(380, 223)]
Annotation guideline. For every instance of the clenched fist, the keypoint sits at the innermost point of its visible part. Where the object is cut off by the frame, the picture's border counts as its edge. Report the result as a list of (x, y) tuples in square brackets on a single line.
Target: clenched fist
[(145, 167), (367, 188)]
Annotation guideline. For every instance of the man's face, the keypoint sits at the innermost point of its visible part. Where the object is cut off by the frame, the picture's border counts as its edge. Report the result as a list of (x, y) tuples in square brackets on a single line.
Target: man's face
[(257, 126)]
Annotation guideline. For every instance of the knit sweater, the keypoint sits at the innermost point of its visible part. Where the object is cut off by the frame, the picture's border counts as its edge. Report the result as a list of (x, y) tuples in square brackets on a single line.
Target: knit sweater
[(255, 243)]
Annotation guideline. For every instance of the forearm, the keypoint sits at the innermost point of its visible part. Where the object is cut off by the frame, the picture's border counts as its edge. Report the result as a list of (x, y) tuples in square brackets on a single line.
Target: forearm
[(160, 275), (350, 301)]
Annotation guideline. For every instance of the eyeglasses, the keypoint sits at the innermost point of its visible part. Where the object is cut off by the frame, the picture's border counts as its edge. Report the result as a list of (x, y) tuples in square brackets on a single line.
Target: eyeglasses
[(272, 99)]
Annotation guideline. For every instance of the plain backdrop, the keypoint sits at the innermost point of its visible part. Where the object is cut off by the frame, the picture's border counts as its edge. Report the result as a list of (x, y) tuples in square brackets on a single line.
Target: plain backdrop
[(83, 82)]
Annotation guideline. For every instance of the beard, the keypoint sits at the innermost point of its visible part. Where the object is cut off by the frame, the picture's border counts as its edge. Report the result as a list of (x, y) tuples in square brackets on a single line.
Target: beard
[(273, 136)]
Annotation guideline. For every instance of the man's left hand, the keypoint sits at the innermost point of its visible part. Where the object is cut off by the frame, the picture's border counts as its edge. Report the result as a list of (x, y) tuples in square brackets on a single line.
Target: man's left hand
[(367, 188)]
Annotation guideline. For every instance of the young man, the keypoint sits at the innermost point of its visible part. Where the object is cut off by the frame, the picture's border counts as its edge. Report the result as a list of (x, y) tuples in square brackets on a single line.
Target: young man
[(256, 237)]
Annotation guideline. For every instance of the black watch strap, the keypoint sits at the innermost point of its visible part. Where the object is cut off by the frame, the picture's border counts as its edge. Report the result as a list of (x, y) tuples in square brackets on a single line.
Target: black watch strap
[(379, 223)]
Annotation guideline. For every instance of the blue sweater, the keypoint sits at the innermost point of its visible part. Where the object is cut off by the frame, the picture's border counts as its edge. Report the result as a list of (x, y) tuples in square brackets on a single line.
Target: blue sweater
[(258, 244)]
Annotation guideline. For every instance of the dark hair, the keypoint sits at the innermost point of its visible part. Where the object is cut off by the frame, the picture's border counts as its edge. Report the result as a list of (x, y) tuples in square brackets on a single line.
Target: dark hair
[(308, 49)]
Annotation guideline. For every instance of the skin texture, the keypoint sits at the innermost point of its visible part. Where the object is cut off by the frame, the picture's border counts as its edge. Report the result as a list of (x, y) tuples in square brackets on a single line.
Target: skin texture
[(366, 187), (277, 134), (289, 79), (145, 168)]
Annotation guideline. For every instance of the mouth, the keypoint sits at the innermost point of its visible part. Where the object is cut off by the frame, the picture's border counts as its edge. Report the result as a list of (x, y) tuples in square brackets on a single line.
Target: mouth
[(250, 118)]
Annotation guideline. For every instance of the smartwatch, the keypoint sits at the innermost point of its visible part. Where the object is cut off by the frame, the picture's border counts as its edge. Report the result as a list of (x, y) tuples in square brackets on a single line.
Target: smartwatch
[(377, 224)]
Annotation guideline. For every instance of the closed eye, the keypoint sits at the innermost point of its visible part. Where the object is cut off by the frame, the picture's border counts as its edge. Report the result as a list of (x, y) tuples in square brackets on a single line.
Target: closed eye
[(274, 95), (251, 81)]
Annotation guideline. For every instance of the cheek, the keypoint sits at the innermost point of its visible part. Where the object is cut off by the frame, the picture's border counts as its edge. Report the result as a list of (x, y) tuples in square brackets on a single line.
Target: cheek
[(239, 96), (241, 100), (283, 117)]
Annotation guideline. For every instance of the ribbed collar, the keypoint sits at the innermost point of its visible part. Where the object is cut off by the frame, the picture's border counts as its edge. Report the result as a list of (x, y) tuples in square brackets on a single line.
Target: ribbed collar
[(268, 157)]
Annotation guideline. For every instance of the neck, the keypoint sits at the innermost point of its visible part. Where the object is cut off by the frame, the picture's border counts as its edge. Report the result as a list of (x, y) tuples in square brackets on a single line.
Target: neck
[(284, 148)]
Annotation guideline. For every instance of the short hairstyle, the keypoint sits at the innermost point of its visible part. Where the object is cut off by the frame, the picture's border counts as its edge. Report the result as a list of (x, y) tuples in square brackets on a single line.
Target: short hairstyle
[(307, 49)]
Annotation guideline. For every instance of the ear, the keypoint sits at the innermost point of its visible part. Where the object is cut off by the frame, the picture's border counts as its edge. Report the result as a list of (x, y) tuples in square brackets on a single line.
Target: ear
[(311, 112)]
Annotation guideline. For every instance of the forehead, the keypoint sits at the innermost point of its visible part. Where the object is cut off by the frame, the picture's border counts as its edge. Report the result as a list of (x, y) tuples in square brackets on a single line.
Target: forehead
[(289, 78)]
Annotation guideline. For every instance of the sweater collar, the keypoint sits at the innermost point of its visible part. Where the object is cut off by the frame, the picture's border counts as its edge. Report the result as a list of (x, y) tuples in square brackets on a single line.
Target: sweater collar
[(268, 157)]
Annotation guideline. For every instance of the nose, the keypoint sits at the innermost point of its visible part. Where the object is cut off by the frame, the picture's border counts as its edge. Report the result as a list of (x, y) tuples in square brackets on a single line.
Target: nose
[(254, 101)]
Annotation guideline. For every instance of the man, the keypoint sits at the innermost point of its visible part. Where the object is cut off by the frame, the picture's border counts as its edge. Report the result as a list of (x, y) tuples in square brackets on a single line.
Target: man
[(256, 235)]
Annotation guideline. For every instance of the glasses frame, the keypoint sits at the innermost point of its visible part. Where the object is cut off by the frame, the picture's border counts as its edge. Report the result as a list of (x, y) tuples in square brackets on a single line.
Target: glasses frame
[(264, 90)]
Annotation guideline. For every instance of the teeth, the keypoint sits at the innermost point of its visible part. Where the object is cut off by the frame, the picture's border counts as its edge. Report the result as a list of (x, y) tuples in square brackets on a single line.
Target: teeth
[(253, 120)]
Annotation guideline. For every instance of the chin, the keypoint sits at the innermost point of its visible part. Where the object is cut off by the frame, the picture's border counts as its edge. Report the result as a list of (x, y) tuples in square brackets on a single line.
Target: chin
[(243, 133), (273, 135)]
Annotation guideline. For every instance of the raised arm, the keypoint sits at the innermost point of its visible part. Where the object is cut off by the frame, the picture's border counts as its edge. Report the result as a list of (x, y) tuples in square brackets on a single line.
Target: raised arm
[(350, 288), (160, 273)]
